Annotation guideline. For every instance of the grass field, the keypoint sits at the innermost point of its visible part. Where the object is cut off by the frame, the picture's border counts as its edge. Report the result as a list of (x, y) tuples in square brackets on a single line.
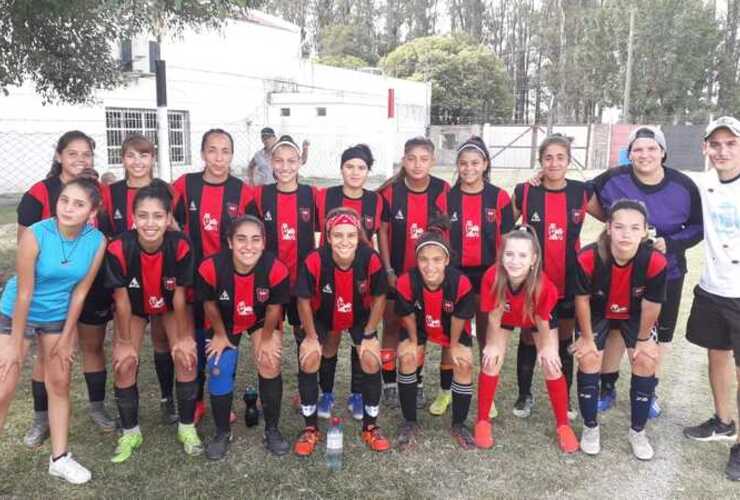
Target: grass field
[(525, 462)]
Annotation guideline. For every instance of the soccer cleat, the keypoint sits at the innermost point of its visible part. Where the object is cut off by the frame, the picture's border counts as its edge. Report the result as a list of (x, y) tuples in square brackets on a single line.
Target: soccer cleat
[(607, 399), (200, 412), (38, 433), (712, 430), (483, 434), (218, 446), (326, 405), (168, 412), (591, 440), (440, 403), (732, 470), (572, 414), (567, 439), (390, 395), (655, 409), (462, 436), (375, 440), (69, 469), (355, 406), (640, 445), (406, 438), (275, 442), (127, 443), (306, 442), (421, 399), (493, 412), (191, 443), (100, 416), (523, 406)]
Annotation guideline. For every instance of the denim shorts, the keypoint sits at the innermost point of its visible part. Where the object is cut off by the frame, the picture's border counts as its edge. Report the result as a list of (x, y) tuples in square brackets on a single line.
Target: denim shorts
[(32, 329)]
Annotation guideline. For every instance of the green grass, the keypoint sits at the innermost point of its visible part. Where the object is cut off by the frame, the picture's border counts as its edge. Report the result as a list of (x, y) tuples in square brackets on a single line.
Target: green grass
[(524, 464)]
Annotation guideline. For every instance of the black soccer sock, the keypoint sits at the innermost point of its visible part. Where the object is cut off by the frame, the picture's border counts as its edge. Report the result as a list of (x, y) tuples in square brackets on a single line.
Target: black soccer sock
[(127, 400), (420, 375), (308, 387), (221, 408), (526, 357), (609, 381), (200, 383), (445, 378), (407, 387), (271, 394), (357, 373), (95, 382), (461, 396), (165, 368), (641, 395), (40, 397), (371, 388), (389, 376), (566, 358), (588, 397), (186, 397), (327, 369)]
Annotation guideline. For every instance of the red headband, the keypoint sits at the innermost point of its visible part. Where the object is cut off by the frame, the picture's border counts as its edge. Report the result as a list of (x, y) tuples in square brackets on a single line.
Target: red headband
[(342, 219)]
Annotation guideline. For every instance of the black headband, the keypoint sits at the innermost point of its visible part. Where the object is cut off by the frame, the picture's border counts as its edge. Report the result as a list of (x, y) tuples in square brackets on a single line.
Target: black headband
[(357, 152)]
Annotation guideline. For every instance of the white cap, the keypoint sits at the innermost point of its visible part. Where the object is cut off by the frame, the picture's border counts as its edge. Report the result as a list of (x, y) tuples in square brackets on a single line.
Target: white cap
[(728, 122), (647, 132)]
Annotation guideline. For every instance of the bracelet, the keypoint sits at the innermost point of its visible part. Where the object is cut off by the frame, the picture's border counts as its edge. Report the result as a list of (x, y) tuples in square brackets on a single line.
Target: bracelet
[(390, 270), (371, 335)]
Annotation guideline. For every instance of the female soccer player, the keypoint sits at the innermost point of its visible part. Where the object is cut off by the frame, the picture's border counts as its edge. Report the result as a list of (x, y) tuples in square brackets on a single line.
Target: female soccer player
[(435, 302), (621, 284), (243, 289), (58, 259), (408, 205), (341, 287), (479, 213), (137, 153), (516, 293), (149, 269), (555, 209), (73, 157), (356, 164)]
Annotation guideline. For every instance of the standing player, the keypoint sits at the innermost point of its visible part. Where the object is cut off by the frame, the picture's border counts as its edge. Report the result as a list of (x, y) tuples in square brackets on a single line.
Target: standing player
[(516, 293), (555, 209), (357, 161), (408, 205), (341, 287), (149, 269), (480, 213), (621, 284), (206, 203), (243, 289), (714, 322)]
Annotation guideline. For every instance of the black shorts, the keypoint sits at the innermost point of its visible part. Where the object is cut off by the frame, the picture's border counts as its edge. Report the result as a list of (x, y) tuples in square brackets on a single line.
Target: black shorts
[(714, 322), (421, 337), (98, 307), (553, 324), (628, 328), (565, 309), (669, 312), (356, 333), (291, 311)]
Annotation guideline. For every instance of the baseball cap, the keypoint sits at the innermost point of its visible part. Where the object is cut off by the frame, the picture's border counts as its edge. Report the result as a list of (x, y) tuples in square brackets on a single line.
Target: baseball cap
[(649, 133), (728, 122), (267, 132)]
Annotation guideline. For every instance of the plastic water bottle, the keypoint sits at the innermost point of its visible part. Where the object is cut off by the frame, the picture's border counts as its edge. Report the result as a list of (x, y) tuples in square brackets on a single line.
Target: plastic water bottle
[(334, 445), (251, 414)]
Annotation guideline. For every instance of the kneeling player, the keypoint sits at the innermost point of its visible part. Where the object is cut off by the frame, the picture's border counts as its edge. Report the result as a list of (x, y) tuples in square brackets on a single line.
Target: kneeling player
[(149, 268), (243, 290), (435, 302), (341, 287), (621, 286)]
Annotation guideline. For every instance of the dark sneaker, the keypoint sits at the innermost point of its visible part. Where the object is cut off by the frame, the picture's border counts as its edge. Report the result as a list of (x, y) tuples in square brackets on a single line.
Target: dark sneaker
[(733, 465), (523, 406), (168, 411), (275, 442), (462, 436), (406, 438), (218, 446), (711, 430)]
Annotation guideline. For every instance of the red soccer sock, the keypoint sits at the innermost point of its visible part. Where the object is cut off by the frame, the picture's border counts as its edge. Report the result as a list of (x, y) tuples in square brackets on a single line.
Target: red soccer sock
[(486, 392), (558, 392)]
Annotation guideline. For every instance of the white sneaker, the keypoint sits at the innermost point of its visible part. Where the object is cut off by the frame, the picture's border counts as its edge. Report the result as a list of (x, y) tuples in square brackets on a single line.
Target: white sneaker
[(640, 445), (591, 440), (69, 469)]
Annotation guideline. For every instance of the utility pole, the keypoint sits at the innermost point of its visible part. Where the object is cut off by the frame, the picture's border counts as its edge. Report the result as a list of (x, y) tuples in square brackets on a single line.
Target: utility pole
[(628, 79)]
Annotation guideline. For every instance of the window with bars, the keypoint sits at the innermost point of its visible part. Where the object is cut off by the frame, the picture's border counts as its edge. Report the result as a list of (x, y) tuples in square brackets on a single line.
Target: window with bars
[(122, 122)]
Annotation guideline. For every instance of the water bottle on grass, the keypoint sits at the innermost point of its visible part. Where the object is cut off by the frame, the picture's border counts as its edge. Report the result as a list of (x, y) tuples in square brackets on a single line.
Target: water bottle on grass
[(334, 445)]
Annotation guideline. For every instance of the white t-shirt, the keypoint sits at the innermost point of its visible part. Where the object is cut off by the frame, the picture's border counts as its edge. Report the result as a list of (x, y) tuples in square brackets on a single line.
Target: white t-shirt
[(721, 210)]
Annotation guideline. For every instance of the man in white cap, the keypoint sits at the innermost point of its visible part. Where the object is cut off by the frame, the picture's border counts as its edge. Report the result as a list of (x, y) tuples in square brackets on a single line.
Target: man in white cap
[(714, 322)]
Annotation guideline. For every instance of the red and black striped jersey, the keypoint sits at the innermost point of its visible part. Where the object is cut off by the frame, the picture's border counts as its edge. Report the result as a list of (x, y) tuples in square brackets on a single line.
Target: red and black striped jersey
[(617, 291), (369, 207), (477, 222), (434, 309), (205, 211), (408, 214), (557, 217), (341, 298), (290, 223), (149, 278), (242, 299), (514, 308), (120, 207)]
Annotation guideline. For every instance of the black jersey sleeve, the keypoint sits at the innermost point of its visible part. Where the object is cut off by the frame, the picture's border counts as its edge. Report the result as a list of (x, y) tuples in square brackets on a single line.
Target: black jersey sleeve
[(185, 267), (518, 197), (305, 283), (280, 293), (29, 210), (465, 306), (114, 275), (205, 281), (656, 287), (404, 297), (584, 284)]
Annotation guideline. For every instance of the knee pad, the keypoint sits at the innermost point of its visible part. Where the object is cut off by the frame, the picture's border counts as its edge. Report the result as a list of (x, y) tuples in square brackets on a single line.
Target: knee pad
[(221, 375), (388, 359)]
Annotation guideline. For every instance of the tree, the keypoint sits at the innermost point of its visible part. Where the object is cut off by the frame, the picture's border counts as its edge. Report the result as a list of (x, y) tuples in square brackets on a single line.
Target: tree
[(343, 61), (469, 83), (64, 46)]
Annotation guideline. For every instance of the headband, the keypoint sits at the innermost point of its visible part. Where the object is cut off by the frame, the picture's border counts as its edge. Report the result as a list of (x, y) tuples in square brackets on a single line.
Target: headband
[(285, 142), (470, 145), (342, 218), (435, 243), (358, 152)]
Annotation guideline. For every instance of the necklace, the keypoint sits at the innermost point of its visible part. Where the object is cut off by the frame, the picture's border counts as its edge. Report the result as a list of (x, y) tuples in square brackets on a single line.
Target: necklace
[(66, 258)]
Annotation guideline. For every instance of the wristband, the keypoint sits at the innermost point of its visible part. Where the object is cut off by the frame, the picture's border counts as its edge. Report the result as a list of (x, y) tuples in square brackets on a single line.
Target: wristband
[(390, 270), (371, 335)]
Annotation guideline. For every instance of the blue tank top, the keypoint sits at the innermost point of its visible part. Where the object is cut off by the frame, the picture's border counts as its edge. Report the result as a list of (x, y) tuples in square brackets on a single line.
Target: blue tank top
[(53, 279)]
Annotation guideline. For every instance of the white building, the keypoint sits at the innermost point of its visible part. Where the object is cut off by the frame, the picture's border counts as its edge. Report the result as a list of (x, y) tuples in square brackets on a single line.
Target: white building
[(247, 75)]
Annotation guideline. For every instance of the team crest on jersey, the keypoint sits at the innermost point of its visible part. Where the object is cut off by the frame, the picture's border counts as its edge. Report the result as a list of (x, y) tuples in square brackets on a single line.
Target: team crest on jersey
[(343, 307), (210, 223), (327, 289), (243, 309), (134, 284), (431, 322), (287, 232), (369, 222), (232, 210), (305, 214), (491, 215), (193, 208), (263, 294), (117, 215), (415, 231), (224, 296), (448, 306), (472, 230), (576, 216), (169, 283), (638, 292), (156, 302), (268, 216), (555, 233), (362, 286), (507, 307), (454, 218), (399, 215)]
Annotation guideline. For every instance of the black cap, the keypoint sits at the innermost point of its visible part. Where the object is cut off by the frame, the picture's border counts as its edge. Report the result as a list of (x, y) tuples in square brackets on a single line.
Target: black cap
[(267, 132)]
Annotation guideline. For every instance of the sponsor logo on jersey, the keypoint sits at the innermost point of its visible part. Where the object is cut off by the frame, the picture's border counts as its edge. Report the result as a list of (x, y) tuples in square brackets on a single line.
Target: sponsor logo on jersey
[(287, 232), (224, 296), (555, 233), (193, 208), (399, 215), (327, 289), (263, 294), (507, 307), (242, 309), (617, 309), (535, 217), (169, 283), (134, 284), (268, 216), (210, 223), (472, 230), (491, 214), (305, 214), (431, 322), (576, 216), (232, 210), (343, 307), (415, 231), (117, 215), (156, 302), (448, 306)]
